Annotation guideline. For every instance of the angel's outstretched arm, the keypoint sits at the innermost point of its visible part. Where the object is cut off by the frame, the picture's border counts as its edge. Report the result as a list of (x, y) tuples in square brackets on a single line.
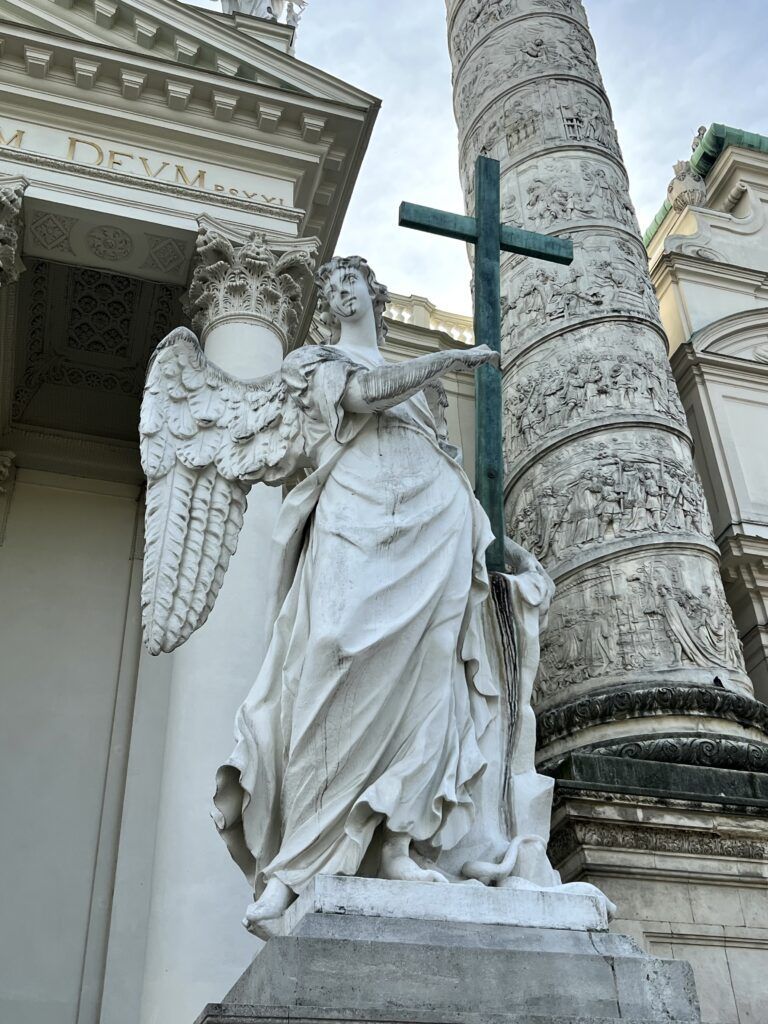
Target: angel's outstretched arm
[(386, 386)]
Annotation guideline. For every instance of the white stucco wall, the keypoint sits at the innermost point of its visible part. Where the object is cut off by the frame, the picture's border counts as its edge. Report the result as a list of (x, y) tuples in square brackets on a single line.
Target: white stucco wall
[(65, 570)]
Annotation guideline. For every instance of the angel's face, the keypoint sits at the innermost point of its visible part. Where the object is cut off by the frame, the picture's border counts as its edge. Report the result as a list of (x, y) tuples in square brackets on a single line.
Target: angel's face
[(347, 294)]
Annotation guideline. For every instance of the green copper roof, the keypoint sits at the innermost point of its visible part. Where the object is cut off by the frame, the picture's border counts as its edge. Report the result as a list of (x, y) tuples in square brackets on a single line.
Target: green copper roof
[(717, 138), (656, 222)]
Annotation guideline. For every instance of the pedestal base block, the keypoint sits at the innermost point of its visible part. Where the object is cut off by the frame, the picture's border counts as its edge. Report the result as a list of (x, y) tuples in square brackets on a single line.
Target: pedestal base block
[(220, 1013), (352, 966)]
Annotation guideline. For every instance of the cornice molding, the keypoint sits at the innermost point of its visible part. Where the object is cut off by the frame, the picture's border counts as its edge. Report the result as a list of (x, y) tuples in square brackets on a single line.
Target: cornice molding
[(216, 35), (573, 836)]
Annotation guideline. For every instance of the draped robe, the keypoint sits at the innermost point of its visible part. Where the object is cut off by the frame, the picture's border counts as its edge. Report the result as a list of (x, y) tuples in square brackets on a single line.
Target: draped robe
[(370, 704)]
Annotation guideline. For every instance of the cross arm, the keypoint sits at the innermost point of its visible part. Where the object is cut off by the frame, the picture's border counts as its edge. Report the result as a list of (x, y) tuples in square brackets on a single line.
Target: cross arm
[(530, 243), (436, 222)]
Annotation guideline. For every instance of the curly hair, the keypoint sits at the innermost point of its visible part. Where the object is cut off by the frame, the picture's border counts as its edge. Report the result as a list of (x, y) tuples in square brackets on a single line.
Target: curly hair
[(378, 292)]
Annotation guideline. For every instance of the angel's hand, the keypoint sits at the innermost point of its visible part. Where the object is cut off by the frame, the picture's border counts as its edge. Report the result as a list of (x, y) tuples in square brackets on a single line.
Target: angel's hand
[(480, 355)]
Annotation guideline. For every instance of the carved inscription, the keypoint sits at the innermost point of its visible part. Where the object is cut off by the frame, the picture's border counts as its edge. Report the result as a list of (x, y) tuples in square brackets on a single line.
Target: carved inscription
[(168, 169)]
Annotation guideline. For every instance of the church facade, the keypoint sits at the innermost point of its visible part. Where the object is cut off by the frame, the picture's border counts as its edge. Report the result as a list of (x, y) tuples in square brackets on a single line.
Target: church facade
[(143, 140), (132, 135)]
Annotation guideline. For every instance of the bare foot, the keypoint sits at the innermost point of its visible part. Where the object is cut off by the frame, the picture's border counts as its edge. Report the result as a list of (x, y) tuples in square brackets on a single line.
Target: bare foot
[(396, 863), (274, 901)]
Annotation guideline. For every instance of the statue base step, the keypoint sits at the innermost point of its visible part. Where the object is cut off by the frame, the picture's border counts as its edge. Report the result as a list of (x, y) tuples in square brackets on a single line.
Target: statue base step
[(220, 1013), (345, 961), (517, 903)]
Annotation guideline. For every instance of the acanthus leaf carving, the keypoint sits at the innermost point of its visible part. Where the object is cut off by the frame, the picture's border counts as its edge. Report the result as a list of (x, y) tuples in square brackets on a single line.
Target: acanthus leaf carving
[(251, 278), (11, 229)]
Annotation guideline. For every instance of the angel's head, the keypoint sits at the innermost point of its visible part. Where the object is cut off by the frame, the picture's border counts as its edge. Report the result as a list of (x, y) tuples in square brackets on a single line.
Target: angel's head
[(348, 289)]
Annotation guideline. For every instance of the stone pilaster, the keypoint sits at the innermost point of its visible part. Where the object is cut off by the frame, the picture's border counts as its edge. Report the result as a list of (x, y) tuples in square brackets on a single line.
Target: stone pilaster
[(11, 228), (600, 482), (245, 301)]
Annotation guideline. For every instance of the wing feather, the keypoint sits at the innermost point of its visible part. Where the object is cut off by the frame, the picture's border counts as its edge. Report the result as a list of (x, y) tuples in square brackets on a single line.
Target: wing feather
[(165, 533), (219, 542), (206, 437)]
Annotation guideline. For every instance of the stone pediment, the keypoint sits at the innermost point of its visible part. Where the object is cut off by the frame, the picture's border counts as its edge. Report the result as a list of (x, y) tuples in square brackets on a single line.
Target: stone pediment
[(235, 46), (742, 336)]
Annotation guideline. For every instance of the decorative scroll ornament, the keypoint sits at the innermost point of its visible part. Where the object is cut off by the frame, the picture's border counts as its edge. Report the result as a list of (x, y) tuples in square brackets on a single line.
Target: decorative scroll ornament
[(622, 705), (687, 188), (11, 198), (232, 280)]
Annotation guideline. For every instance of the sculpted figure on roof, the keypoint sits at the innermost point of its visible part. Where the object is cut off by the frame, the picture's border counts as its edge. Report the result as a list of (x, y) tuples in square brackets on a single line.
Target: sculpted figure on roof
[(287, 12)]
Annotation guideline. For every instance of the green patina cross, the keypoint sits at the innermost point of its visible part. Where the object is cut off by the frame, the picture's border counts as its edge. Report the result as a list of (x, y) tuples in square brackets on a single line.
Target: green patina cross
[(490, 238)]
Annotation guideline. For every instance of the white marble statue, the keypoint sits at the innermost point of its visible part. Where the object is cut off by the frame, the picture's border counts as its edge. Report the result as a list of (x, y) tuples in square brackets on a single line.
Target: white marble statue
[(389, 730), (287, 12)]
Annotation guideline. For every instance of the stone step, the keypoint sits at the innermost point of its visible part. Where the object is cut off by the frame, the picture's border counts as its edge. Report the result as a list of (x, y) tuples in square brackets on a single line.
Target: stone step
[(219, 1013)]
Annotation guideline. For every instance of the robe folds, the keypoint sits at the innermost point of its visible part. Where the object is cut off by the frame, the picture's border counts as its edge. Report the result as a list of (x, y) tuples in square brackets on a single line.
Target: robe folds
[(371, 702)]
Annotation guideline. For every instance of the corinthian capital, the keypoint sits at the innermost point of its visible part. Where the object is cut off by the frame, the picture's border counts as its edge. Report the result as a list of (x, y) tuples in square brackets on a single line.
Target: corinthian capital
[(254, 279), (11, 199)]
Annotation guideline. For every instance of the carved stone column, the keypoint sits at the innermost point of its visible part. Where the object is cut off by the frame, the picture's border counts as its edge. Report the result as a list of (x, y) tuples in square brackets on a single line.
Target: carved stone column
[(245, 300), (600, 478), (11, 228)]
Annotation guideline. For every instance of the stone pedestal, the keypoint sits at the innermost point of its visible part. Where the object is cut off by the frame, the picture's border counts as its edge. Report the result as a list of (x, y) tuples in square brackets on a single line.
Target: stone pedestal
[(684, 851), (343, 960)]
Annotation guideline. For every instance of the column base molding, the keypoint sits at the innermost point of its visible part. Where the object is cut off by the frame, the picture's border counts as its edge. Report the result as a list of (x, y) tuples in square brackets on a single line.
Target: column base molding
[(693, 725)]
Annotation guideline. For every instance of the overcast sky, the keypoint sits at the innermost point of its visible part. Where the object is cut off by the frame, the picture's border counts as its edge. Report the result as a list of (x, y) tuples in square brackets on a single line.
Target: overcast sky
[(668, 66)]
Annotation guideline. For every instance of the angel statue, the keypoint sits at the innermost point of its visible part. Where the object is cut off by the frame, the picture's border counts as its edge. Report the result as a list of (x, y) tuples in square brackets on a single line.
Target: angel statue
[(389, 729)]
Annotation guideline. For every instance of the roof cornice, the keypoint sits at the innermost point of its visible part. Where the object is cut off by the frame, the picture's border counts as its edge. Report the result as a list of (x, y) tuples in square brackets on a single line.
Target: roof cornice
[(716, 139), (244, 56)]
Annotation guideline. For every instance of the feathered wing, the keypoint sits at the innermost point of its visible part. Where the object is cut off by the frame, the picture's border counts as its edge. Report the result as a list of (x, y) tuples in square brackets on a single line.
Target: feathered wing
[(206, 437)]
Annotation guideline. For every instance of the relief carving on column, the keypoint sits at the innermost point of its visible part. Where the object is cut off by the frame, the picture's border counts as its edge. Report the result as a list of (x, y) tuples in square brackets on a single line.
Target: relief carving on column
[(258, 278), (558, 112), (651, 613), (607, 370), (480, 17), (593, 422), (605, 278), (11, 229), (565, 48), (632, 486), (576, 191)]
